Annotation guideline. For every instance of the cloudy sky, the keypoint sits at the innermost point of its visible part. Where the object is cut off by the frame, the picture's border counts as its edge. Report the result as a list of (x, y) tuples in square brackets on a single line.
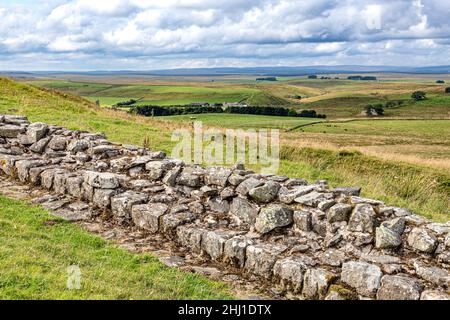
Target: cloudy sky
[(158, 34)]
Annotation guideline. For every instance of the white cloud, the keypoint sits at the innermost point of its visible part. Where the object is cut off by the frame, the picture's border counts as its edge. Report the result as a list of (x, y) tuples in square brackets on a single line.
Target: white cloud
[(173, 33)]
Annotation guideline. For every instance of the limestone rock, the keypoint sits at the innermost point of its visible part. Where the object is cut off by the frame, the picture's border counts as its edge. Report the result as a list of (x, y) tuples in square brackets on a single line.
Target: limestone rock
[(217, 176), (364, 277), (102, 197), (387, 238), (302, 220), (147, 216), (273, 216), (433, 274), (434, 295), (339, 212), (316, 282), (213, 242), (266, 192), (156, 169), (37, 131), (245, 186), (169, 222), (399, 287), (190, 237), (244, 210), (218, 205), (313, 198), (102, 180), (121, 204), (10, 131), (78, 145), (362, 219), (262, 257), (235, 250), (290, 272), (422, 240)]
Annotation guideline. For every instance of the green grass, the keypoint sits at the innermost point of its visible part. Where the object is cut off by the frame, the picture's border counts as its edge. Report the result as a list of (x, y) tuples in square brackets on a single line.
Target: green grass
[(34, 257), (228, 120), (175, 94), (424, 129)]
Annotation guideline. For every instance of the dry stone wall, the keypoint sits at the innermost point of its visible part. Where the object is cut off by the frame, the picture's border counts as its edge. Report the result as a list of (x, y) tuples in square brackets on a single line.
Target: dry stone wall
[(310, 240)]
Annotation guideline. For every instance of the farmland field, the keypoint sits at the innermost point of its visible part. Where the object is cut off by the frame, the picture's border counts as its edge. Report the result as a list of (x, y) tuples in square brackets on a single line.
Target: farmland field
[(366, 152)]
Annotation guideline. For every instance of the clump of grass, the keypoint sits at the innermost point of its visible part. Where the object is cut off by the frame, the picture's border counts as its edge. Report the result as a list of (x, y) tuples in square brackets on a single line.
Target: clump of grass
[(36, 249)]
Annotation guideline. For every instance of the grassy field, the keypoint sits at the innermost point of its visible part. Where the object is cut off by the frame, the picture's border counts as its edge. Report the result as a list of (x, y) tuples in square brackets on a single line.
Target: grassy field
[(228, 120), (161, 94), (34, 257), (337, 98)]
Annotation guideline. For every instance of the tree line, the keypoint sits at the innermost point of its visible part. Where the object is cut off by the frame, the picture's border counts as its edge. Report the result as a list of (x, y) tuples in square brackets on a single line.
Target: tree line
[(157, 111)]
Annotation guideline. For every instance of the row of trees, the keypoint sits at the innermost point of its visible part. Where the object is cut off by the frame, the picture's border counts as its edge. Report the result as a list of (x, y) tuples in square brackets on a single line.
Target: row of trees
[(155, 111)]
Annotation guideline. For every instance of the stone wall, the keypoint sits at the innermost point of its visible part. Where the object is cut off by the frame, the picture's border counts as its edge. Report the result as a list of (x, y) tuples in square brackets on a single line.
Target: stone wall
[(307, 239)]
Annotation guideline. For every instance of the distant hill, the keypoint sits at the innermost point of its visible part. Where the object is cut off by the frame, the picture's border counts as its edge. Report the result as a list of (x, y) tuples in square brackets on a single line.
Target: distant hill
[(260, 71)]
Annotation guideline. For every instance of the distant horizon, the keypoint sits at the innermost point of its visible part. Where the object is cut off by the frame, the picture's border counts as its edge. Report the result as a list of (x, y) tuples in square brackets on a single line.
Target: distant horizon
[(248, 69)]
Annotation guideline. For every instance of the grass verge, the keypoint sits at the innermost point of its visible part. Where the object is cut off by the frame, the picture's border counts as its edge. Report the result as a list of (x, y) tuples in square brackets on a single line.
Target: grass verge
[(34, 257)]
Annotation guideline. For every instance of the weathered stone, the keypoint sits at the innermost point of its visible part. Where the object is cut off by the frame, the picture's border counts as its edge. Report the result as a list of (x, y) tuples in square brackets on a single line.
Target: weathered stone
[(245, 186), (439, 228), (102, 180), (364, 277), (380, 258), (295, 182), (217, 176), (36, 131), (362, 219), (73, 186), (245, 211), (316, 282), (414, 220), (332, 240), (213, 242), (273, 216), (399, 287), (397, 225), (434, 295), (302, 220), (39, 146), (121, 204), (88, 192), (190, 238), (266, 192), (339, 212), (387, 238), (422, 240), (234, 250), (47, 177), (102, 197), (288, 196), (313, 198), (196, 207), (156, 169), (79, 145), (169, 222), (15, 119), (261, 258), (171, 176), (290, 272), (227, 193), (147, 216), (348, 191), (189, 177), (326, 204), (219, 205), (433, 274), (23, 167), (359, 200), (57, 143), (401, 212), (333, 257), (235, 179), (10, 131), (318, 222)]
